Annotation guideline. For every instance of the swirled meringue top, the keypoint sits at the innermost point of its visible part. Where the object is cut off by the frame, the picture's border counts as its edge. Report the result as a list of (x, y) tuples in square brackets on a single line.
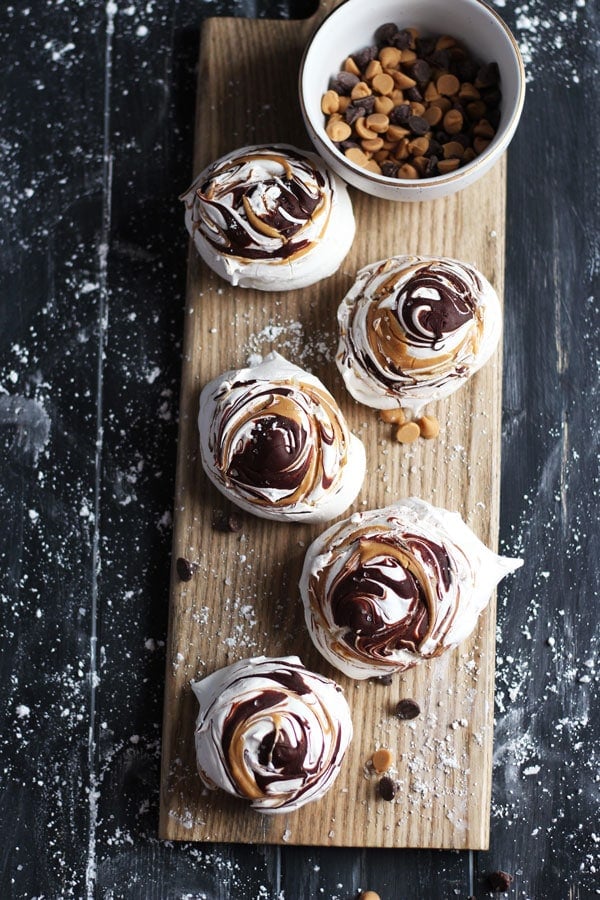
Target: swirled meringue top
[(414, 329), (386, 589), (275, 442), (271, 217), (271, 732)]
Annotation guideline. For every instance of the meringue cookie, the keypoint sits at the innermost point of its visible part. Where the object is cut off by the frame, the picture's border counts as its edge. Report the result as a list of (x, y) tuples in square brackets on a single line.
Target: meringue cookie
[(270, 731), (413, 329), (270, 217), (386, 589), (274, 441)]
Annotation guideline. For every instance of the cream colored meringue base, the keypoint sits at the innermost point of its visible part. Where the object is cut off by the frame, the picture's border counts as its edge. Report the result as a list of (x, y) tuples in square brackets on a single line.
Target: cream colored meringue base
[(321, 508), (365, 387), (479, 571), (323, 260)]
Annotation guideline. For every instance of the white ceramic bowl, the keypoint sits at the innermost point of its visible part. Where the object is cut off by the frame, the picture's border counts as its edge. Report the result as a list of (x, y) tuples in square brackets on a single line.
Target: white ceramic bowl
[(352, 25)]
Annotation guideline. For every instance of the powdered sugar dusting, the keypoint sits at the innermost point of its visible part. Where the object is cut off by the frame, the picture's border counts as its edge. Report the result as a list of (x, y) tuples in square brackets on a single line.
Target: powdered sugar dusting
[(549, 37)]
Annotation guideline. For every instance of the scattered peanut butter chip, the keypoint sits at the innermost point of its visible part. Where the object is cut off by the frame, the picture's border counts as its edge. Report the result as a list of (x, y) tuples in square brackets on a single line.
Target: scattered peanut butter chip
[(430, 427), (407, 432), (369, 895), (382, 760), (395, 416)]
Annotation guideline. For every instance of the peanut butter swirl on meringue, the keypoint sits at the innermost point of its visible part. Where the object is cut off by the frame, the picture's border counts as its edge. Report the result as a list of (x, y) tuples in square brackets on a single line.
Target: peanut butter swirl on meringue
[(271, 732), (388, 588), (414, 329), (256, 213), (274, 441)]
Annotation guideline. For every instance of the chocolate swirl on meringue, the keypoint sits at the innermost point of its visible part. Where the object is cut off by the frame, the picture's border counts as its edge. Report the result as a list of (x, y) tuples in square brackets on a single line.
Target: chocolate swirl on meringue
[(274, 440), (259, 204), (391, 587), (413, 329), (268, 206), (271, 732)]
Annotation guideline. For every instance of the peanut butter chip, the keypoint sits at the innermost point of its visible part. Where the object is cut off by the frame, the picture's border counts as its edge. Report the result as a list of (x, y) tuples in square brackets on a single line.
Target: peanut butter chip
[(382, 760), (378, 122), (396, 416), (430, 427), (383, 84), (407, 433), (369, 895), (360, 90), (338, 131), (362, 130), (355, 155), (448, 85), (330, 102), (453, 121)]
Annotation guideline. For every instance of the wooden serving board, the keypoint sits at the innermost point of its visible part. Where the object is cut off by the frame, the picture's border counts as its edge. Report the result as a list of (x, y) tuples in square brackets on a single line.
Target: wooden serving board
[(243, 599)]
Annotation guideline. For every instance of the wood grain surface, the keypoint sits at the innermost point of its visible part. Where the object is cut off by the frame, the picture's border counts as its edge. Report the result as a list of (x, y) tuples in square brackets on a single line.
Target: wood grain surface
[(243, 599)]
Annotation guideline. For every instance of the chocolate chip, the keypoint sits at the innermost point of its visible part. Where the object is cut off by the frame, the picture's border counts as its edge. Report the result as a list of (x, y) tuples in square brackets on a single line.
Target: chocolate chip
[(364, 57), (488, 75), (413, 94), (234, 523), (492, 97), (386, 33), (344, 82), (402, 40), (185, 568), (387, 788), (499, 882), (434, 149), (431, 169), (418, 125), (465, 70), (400, 114), (353, 113), (347, 145), (421, 71), (425, 47), (390, 170), (368, 104), (407, 709), (440, 59)]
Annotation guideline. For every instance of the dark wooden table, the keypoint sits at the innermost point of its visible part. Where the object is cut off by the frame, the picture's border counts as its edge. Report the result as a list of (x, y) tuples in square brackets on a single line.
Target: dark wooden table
[(96, 115)]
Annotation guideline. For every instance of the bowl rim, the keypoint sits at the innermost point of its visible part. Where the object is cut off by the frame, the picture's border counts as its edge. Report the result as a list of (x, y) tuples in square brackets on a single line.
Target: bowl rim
[(484, 159)]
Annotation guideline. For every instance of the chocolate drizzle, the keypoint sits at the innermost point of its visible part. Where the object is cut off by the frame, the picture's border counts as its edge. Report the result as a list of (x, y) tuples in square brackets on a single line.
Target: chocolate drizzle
[(258, 205), (434, 303), (380, 599), (278, 443), (273, 456)]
